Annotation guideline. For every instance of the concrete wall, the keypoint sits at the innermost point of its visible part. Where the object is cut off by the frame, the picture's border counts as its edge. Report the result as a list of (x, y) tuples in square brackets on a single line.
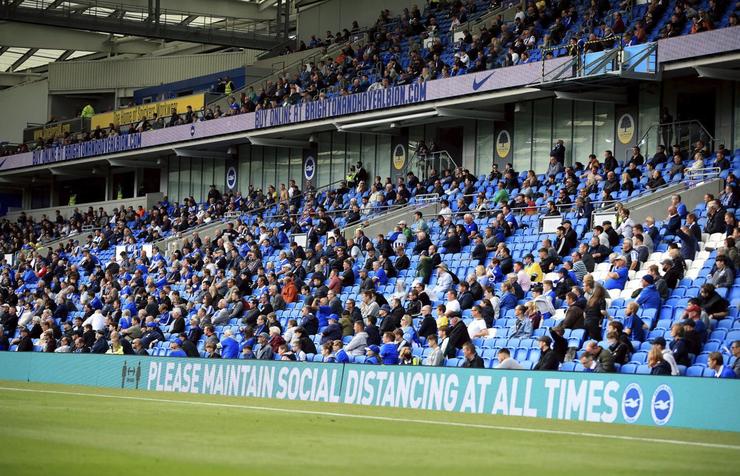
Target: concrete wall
[(148, 201), (335, 15), (23, 104)]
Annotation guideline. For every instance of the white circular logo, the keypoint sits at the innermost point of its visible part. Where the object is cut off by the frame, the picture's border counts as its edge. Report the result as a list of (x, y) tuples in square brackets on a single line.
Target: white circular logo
[(661, 405), (309, 167), (231, 178), (632, 399)]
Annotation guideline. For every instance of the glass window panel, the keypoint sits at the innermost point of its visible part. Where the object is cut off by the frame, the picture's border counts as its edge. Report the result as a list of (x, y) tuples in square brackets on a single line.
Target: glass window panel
[(368, 152), (354, 154), (195, 174), (255, 178), (583, 130), (245, 175), (338, 156), (603, 128), (563, 128), (542, 134), (283, 167), (296, 163), (173, 180), (217, 175), (483, 147), (268, 168), (382, 158), (324, 159), (523, 136), (184, 178), (649, 111)]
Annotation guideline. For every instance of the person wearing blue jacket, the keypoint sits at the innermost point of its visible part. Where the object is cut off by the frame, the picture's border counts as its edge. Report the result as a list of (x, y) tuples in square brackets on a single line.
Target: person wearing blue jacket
[(389, 351), (689, 244), (716, 363), (229, 346), (649, 297), (340, 355)]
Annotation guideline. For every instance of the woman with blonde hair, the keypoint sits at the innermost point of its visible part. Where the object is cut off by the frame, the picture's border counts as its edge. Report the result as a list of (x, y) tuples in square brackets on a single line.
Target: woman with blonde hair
[(658, 365)]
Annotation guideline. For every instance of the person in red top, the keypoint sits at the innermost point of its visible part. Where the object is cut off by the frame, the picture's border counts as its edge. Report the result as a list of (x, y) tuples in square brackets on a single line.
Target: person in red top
[(335, 283), (290, 291)]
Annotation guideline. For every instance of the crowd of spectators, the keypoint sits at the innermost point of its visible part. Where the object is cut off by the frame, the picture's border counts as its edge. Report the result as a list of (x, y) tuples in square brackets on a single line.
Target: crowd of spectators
[(395, 52), (225, 297)]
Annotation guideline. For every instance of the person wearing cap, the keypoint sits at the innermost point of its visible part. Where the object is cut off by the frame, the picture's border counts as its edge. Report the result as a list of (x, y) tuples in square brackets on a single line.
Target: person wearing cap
[(265, 351), (548, 360), (458, 335), (333, 331), (617, 277), (672, 274), (649, 297), (101, 344), (444, 282), (660, 343), (372, 353), (176, 349), (24, 342)]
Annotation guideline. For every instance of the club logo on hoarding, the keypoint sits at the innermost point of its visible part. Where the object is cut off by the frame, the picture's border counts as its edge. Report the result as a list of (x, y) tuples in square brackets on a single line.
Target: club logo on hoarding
[(632, 403), (309, 168), (626, 128), (231, 178), (503, 144), (130, 376), (399, 157), (192, 130), (661, 405)]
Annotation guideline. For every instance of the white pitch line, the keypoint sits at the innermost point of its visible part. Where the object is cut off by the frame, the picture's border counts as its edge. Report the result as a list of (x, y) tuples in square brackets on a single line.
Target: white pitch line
[(382, 418)]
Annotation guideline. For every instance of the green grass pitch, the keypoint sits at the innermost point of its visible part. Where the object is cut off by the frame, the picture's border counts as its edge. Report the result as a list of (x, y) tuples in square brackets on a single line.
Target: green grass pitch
[(60, 430)]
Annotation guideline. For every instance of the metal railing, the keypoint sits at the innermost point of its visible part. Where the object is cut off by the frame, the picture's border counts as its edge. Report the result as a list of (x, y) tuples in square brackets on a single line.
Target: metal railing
[(423, 164), (682, 133)]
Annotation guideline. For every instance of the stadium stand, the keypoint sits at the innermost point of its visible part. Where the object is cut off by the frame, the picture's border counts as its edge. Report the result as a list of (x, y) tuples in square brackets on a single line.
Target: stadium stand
[(478, 282)]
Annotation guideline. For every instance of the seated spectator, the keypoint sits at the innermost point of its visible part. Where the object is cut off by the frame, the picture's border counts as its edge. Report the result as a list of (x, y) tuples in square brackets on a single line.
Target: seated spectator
[(716, 363), (506, 362), (634, 326), (617, 277), (548, 359), (656, 362)]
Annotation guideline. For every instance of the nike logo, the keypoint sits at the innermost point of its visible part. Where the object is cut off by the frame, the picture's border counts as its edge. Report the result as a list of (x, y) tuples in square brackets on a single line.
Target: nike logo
[(477, 84), (3, 163)]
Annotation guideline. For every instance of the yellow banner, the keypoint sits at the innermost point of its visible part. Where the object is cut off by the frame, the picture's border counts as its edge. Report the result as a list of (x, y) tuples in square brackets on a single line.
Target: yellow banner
[(163, 109), (51, 131)]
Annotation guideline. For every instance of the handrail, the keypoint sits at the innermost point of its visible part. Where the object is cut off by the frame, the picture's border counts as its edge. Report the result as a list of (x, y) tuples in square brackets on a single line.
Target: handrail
[(223, 220), (674, 125)]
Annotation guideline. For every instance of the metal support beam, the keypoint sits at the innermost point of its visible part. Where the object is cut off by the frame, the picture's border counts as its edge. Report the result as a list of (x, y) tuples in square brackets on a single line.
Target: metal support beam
[(717, 73), (234, 37), (21, 35), (470, 114), (611, 98), (213, 8), (12, 79), (288, 143), (201, 154), (19, 62)]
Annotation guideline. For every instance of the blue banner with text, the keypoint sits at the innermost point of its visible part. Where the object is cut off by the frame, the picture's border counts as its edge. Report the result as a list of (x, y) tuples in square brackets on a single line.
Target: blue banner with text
[(609, 398)]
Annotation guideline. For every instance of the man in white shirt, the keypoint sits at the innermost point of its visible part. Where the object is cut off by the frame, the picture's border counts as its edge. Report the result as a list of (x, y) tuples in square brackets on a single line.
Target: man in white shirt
[(506, 362), (524, 280), (667, 354), (478, 327), (96, 320), (444, 282), (452, 306)]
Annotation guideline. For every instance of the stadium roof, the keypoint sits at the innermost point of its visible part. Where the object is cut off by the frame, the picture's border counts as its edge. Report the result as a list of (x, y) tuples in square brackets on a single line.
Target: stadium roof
[(27, 43)]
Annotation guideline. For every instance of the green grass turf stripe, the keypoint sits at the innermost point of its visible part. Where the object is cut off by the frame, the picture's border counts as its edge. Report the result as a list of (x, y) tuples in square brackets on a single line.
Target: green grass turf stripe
[(383, 418)]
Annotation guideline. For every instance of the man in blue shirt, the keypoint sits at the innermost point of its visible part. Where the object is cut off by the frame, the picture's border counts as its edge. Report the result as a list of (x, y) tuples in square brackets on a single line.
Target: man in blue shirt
[(617, 277), (176, 349), (229, 346), (634, 327), (716, 363), (389, 350), (340, 355), (372, 355), (649, 297)]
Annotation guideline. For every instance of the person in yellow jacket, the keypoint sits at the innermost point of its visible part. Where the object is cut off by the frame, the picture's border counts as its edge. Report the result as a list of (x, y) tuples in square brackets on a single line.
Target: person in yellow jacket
[(229, 86), (533, 269), (87, 111)]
